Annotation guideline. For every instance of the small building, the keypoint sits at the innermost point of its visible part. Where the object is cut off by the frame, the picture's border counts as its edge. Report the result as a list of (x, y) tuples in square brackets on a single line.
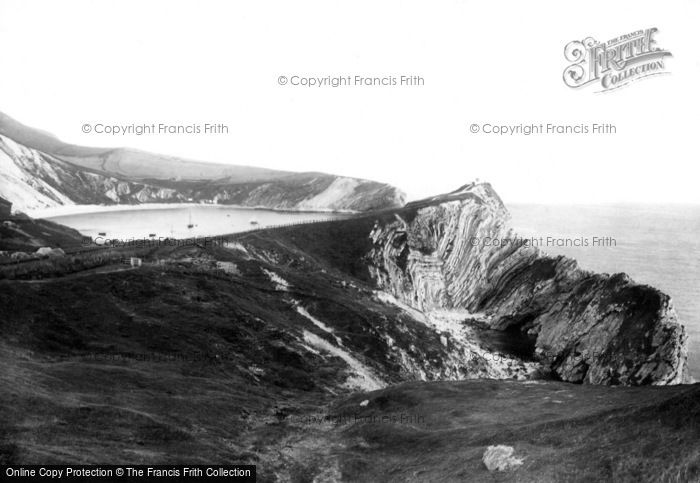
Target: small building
[(44, 251), (57, 252), (50, 252), (5, 208)]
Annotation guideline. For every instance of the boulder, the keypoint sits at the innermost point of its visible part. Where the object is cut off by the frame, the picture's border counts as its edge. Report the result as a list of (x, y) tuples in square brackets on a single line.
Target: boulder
[(500, 458)]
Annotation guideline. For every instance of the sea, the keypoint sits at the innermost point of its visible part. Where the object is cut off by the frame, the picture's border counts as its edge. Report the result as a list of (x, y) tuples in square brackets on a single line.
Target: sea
[(181, 221), (658, 245)]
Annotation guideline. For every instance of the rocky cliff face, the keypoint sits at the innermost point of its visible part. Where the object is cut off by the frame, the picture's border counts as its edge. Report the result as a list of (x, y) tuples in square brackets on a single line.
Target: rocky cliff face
[(39, 171), (32, 179), (457, 252)]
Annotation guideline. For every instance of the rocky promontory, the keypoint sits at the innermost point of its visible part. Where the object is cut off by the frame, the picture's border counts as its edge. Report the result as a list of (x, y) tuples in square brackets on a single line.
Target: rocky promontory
[(457, 252)]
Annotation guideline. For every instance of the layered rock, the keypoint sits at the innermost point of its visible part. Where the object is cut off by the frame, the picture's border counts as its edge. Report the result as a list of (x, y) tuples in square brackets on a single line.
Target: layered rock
[(457, 251)]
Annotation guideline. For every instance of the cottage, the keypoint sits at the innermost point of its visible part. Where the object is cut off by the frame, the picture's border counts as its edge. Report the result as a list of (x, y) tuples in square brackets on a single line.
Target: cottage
[(50, 252), (57, 252), (44, 251)]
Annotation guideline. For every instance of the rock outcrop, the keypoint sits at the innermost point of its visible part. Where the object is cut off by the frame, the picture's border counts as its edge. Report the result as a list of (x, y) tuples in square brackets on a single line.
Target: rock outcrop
[(456, 251), (500, 458)]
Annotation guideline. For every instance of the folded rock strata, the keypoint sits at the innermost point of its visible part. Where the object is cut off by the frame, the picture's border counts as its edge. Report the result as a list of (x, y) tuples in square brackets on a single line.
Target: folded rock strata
[(457, 251)]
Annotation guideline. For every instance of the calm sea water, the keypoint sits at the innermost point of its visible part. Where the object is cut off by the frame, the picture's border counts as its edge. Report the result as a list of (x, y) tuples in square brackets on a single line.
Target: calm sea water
[(655, 245), (173, 221)]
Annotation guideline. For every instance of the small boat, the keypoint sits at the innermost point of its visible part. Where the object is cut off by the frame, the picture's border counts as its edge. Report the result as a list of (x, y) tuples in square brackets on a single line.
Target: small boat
[(102, 233), (190, 225), (253, 221)]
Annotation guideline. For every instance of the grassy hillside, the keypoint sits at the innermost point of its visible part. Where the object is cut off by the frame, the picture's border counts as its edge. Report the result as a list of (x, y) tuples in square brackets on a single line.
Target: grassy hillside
[(184, 361), (39, 171), (21, 233), (563, 432), (129, 163), (188, 360)]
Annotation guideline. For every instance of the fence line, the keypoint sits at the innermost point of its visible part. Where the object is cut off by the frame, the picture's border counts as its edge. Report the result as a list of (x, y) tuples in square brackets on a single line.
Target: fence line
[(285, 225)]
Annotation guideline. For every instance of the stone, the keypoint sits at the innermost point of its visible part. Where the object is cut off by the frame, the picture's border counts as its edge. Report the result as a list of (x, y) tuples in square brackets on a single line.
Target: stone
[(500, 458)]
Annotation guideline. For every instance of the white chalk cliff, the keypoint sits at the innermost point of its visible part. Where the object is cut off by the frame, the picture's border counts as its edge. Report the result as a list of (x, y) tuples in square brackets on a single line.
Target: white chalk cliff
[(39, 171)]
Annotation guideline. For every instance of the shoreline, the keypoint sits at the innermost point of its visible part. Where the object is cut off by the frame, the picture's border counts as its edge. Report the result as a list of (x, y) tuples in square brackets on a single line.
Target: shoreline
[(70, 210)]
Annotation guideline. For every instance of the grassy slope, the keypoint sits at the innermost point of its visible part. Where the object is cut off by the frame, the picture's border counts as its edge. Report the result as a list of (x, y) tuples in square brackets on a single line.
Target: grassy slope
[(197, 179), (339, 245), (29, 234), (217, 361), (189, 394), (129, 163), (222, 381), (564, 432)]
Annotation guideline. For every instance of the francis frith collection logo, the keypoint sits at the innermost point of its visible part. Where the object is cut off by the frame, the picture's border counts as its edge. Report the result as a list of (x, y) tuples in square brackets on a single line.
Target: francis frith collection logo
[(615, 63)]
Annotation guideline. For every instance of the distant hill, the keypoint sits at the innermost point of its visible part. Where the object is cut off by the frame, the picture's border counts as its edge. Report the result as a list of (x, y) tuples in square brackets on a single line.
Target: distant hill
[(37, 170)]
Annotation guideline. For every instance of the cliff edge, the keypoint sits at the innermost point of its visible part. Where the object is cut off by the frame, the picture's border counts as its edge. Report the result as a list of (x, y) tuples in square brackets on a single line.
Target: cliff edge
[(39, 171), (456, 251)]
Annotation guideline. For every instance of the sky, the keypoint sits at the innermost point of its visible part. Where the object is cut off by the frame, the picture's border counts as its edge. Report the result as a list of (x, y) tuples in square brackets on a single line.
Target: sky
[(70, 63)]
